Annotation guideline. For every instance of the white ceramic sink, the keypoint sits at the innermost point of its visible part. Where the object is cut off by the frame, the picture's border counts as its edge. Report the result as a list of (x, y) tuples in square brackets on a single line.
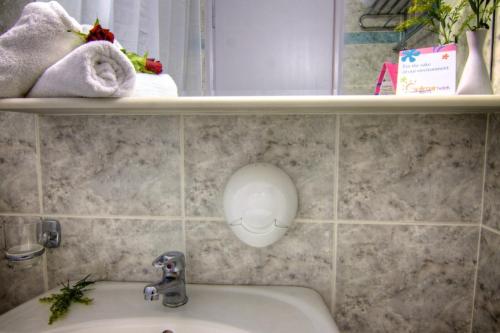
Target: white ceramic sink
[(147, 325), (119, 307)]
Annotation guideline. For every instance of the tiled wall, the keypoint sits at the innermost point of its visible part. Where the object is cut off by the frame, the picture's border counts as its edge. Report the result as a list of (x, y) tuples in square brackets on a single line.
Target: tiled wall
[(387, 230), (487, 301)]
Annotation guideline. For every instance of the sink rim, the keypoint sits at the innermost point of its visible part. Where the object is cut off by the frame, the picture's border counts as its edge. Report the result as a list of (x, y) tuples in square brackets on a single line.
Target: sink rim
[(135, 322), (240, 306)]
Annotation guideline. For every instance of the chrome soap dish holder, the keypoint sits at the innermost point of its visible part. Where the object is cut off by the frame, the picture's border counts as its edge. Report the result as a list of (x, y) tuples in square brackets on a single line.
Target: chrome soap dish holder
[(29, 241)]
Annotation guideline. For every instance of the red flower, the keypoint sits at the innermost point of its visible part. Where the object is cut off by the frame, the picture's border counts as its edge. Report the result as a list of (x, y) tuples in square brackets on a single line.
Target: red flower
[(154, 66), (98, 33)]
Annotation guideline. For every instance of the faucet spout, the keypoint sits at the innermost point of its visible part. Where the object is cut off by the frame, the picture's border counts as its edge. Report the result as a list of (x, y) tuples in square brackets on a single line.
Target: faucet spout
[(173, 283)]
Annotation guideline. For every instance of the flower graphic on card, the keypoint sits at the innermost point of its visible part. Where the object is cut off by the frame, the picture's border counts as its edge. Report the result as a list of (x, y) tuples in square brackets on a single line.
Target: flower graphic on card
[(410, 55)]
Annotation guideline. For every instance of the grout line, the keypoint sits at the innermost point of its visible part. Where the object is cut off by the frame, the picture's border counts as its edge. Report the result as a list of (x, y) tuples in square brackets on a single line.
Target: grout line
[(21, 214), (475, 278), (181, 167), (490, 229), (336, 169), (302, 220), (115, 217), (481, 216), (221, 219), (334, 270), (421, 223), (38, 163), (205, 219), (183, 191), (44, 263)]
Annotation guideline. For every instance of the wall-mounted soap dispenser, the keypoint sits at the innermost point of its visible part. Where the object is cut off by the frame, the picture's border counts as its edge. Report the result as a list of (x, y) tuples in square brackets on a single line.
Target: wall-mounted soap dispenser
[(260, 204)]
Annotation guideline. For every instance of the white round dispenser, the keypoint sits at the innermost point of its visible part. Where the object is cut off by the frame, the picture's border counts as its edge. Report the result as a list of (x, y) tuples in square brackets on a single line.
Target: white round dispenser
[(260, 204)]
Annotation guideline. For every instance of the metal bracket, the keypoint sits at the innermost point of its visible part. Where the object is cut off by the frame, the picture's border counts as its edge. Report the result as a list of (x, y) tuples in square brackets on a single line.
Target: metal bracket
[(49, 233)]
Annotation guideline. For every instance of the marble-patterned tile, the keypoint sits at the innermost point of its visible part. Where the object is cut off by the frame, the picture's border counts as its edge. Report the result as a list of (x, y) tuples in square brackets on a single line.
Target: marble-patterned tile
[(303, 146), (360, 69), (399, 278), (352, 11), (411, 167), (2, 238), (17, 285), (303, 257), (487, 304), (116, 250), (117, 165), (18, 178), (491, 215)]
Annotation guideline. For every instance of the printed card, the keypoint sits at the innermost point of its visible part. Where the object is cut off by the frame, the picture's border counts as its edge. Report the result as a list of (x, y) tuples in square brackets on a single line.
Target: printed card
[(427, 71)]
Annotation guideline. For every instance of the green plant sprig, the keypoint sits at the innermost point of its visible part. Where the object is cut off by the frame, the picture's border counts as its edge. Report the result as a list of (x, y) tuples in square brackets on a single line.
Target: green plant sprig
[(138, 61), (449, 22), (482, 10), (61, 302), (438, 17)]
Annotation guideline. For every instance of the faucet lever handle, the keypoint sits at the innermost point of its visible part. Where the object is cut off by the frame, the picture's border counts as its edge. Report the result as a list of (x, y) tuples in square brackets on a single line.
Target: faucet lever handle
[(172, 261), (151, 293)]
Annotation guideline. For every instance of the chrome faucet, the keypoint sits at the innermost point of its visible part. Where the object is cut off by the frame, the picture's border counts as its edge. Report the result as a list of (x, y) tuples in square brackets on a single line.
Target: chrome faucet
[(173, 283)]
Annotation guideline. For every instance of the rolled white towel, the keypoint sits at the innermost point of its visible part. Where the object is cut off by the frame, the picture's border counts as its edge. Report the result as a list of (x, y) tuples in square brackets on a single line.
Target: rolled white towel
[(147, 85), (40, 38), (95, 69)]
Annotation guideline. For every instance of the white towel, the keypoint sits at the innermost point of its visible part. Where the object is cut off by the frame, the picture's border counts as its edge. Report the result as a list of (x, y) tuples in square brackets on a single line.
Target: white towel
[(95, 69), (38, 39), (147, 85)]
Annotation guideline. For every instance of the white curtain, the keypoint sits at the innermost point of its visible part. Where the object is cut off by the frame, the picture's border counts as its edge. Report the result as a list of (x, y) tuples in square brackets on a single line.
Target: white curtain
[(169, 30)]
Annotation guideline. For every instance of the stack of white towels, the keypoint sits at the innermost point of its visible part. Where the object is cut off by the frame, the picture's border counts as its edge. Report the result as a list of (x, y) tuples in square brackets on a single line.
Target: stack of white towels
[(41, 56)]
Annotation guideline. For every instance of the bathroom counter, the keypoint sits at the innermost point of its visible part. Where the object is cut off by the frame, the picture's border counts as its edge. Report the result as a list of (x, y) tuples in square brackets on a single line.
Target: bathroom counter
[(255, 105)]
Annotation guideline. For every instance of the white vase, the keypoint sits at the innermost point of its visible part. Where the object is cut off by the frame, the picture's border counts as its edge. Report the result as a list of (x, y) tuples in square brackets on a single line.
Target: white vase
[(475, 79)]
